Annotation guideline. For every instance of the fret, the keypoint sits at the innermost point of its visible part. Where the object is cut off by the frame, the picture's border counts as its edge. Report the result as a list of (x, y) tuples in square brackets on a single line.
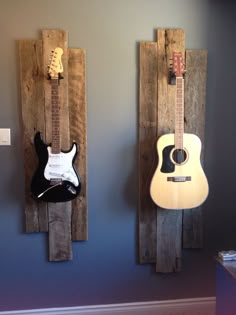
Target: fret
[(179, 113), (55, 104)]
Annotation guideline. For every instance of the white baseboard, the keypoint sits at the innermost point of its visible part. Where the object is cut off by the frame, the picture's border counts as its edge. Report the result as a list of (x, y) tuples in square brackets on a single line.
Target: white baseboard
[(196, 306)]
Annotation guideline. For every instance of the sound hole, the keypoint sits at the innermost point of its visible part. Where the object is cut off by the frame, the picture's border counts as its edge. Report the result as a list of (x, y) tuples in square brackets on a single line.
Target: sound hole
[(179, 156)]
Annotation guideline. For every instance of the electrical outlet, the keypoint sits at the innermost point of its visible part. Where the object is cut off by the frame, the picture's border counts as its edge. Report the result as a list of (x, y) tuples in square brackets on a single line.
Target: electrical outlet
[(5, 136)]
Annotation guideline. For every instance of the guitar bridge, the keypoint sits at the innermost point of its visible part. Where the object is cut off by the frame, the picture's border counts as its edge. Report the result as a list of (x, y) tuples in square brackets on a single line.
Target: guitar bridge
[(177, 179)]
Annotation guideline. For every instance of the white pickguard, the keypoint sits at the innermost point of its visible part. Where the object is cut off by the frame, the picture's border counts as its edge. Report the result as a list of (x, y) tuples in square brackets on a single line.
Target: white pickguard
[(59, 166)]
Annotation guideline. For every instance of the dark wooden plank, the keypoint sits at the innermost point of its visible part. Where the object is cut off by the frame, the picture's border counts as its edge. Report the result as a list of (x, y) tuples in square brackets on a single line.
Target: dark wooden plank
[(78, 133), (193, 228), (195, 100), (32, 102), (169, 231), (147, 136), (169, 222), (60, 247)]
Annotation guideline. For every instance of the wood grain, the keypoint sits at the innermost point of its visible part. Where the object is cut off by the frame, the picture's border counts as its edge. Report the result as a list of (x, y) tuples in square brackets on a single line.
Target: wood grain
[(32, 100), (36, 116), (169, 246), (59, 217), (59, 213), (78, 123), (147, 136), (169, 222), (195, 100), (51, 40)]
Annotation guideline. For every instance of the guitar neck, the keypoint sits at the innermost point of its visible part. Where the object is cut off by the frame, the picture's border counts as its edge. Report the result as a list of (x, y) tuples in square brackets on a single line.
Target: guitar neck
[(179, 113), (55, 106)]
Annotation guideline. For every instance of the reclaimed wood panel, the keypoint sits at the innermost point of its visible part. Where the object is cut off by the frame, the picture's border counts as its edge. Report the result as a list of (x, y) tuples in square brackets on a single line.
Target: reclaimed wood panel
[(51, 40), (59, 217), (78, 123), (32, 100), (169, 245), (60, 247), (147, 137), (169, 222), (195, 101), (36, 116)]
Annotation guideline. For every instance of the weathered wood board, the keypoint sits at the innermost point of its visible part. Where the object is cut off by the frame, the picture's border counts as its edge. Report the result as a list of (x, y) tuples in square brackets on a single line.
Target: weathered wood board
[(59, 219), (195, 102), (78, 122), (63, 221), (169, 222), (163, 233), (51, 40), (147, 138), (169, 244), (33, 112), (59, 214)]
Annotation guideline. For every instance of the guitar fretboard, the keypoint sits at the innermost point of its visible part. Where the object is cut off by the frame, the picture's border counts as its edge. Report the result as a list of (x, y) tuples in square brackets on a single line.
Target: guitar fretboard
[(56, 140), (179, 113)]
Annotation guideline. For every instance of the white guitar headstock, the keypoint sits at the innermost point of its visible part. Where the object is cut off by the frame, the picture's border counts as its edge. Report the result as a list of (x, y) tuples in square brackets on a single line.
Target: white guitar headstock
[(55, 67)]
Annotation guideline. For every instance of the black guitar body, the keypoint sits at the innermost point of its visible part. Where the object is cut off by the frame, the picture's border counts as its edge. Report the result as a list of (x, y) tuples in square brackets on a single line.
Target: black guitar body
[(56, 189)]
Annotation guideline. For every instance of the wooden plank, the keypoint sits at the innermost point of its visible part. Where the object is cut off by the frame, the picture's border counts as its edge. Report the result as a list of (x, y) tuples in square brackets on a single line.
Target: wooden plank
[(195, 100), (169, 222), (59, 217), (32, 100), (169, 231), (60, 247), (147, 136), (78, 126), (193, 228), (51, 40), (195, 93)]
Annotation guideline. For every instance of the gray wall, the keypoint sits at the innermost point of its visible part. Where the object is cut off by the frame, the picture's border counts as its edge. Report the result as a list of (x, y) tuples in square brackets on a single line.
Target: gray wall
[(105, 268)]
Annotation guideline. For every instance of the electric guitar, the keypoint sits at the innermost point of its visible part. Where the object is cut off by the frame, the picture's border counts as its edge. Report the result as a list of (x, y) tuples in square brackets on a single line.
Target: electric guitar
[(55, 179), (179, 181)]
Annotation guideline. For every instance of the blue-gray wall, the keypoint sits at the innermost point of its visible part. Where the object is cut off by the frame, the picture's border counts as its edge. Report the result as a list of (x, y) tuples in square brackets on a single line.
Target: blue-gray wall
[(105, 269)]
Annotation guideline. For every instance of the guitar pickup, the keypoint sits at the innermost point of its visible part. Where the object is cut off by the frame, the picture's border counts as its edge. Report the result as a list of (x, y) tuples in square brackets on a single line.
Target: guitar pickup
[(177, 179)]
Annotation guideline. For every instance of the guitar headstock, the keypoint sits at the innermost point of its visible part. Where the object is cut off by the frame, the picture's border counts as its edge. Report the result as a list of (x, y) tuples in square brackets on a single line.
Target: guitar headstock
[(55, 68), (178, 64)]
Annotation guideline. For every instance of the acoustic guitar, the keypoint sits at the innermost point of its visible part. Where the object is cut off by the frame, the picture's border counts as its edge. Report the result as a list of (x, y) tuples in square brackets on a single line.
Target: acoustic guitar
[(179, 181), (55, 179)]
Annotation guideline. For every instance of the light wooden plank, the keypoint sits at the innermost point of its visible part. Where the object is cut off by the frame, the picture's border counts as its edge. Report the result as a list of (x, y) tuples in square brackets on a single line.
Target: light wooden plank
[(78, 127), (147, 136), (32, 102), (169, 222), (195, 100), (59, 213)]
